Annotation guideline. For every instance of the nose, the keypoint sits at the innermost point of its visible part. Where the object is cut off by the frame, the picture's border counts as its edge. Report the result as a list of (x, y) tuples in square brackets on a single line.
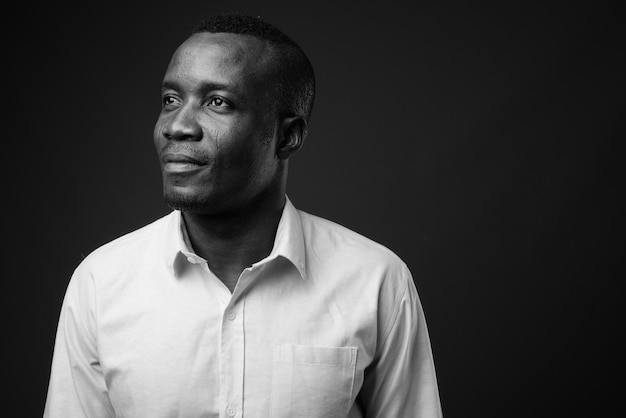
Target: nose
[(182, 126)]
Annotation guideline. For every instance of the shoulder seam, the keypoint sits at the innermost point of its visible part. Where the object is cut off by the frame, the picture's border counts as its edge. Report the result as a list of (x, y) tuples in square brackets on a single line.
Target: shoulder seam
[(394, 318)]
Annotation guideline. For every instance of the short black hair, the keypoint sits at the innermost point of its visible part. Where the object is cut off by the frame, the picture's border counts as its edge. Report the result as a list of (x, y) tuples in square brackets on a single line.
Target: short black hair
[(295, 81)]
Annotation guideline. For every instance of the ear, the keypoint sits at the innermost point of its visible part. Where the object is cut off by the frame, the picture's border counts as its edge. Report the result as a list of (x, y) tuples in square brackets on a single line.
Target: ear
[(292, 132)]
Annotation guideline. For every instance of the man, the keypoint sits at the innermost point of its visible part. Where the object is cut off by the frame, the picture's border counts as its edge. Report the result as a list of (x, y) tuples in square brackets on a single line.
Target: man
[(236, 304)]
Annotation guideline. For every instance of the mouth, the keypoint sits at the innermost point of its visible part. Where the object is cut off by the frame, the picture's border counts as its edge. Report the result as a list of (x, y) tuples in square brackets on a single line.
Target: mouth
[(180, 163)]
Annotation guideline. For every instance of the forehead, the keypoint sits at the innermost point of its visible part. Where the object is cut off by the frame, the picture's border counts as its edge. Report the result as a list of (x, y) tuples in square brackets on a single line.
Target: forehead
[(219, 55)]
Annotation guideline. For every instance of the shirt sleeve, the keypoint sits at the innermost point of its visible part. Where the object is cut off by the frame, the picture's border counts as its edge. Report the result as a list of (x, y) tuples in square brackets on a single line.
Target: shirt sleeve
[(77, 387), (401, 380)]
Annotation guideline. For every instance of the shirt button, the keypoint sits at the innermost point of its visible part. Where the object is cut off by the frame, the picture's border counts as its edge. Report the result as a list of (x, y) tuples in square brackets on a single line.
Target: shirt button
[(231, 316), (231, 411)]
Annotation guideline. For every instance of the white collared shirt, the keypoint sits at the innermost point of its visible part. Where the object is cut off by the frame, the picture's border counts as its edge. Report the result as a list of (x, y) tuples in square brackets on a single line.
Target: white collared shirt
[(328, 325)]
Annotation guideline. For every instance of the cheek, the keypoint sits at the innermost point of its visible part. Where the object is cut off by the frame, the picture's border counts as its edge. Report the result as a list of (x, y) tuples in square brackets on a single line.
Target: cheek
[(215, 135), (247, 154), (157, 132), (231, 144)]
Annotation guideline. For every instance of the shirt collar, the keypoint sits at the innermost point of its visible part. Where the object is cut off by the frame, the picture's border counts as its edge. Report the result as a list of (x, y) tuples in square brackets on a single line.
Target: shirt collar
[(288, 243)]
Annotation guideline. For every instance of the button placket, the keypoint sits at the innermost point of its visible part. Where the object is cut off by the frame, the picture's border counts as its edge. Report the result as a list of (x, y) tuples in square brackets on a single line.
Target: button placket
[(232, 357)]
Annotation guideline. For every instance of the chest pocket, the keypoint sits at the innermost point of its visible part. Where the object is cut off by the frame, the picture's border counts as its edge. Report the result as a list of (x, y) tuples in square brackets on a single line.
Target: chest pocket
[(311, 382)]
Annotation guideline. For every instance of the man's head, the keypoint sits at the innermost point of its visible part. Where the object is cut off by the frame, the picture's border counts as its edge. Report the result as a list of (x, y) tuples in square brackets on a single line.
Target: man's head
[(287, 65), (236, 99)]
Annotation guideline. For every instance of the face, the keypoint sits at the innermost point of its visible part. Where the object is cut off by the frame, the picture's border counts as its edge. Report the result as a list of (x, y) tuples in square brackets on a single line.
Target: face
[(215, 136)]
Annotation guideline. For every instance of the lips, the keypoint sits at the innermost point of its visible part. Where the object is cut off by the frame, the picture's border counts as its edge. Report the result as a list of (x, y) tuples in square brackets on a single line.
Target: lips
[(176, 162)]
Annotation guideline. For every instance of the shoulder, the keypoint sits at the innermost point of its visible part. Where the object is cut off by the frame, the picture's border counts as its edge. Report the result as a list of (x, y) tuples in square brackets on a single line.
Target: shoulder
[(129, 248), (341, 246), (347, 266), (333, 237)]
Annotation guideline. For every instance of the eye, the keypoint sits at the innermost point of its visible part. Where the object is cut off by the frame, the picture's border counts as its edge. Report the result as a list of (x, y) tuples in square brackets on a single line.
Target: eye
[(219, 103), (170, 101)]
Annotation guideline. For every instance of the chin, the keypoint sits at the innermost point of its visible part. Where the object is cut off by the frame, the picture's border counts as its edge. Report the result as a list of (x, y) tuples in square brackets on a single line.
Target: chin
[(185, 202)]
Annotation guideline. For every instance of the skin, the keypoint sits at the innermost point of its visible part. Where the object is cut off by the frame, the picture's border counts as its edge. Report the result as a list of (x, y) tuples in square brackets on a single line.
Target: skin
[(223, 151)]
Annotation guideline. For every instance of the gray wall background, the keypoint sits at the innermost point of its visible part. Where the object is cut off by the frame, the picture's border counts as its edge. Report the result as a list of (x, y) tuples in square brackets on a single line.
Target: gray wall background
[(480, 142)]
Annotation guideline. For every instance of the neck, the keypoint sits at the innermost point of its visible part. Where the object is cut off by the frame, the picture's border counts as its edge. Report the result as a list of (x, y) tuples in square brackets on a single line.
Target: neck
[(234, 240)]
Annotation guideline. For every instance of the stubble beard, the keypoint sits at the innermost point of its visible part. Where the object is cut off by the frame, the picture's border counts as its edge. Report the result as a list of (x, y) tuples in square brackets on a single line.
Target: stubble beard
[(184, 202)]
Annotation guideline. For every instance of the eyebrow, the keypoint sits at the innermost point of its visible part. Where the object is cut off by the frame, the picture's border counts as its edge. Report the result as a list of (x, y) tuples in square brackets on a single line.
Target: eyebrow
[(204, 87)]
